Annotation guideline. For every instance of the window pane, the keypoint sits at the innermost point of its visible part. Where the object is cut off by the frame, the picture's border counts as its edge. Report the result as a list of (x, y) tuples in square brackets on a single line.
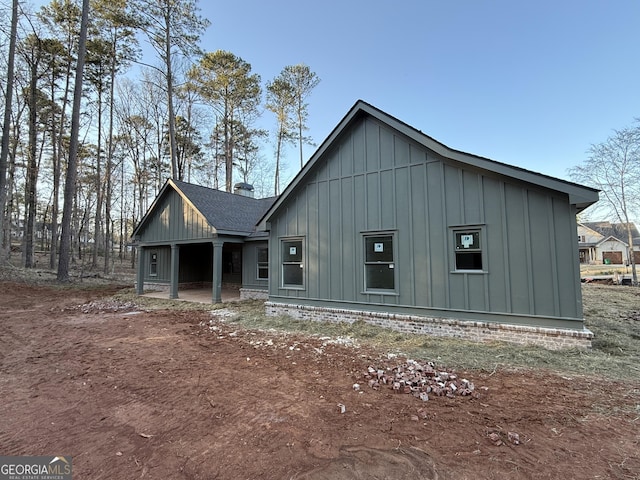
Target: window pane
[(153, 265), (379, 248), (292, 274), (263, 255), (468, 240), (263, 271), (292, 251), (380, 276), (468, 260)]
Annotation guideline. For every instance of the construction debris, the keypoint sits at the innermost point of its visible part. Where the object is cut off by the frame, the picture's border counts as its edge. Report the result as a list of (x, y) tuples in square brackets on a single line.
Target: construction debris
[(419, 380), (107, 306)]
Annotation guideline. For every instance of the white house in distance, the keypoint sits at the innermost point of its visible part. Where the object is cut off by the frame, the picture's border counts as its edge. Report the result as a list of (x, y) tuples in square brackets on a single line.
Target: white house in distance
[(606, 243)]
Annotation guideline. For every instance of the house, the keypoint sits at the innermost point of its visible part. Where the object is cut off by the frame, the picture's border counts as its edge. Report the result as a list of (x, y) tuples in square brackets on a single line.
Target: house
[(384, 224), (194, 237), (607, 243)]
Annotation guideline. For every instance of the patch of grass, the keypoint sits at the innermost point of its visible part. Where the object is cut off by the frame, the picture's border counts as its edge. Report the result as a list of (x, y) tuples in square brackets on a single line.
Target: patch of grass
[(587, 270)]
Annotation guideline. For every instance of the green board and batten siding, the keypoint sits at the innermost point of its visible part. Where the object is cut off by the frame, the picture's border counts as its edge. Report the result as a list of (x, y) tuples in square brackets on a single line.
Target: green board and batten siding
[(173, 219), (250, 265), (372, 178)]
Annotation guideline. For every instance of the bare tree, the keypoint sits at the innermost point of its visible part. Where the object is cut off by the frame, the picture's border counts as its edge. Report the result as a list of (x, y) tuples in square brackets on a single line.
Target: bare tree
[(303, 81), (33, 53), (72, 166), (281, 100), (6, 129), (61, 19), (172, 28), (613, 167)]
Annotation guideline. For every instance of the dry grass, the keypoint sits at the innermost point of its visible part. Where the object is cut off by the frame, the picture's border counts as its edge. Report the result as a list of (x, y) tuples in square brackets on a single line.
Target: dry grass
[(586, 270), (612, 313)]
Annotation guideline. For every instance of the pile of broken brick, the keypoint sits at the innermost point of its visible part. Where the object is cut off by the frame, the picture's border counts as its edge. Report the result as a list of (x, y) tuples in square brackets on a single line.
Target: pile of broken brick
[(419, 380), (106, 306)]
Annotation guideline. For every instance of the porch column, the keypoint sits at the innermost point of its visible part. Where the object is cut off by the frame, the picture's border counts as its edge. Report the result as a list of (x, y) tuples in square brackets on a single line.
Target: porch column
[(175, 270), (217, 272), (140, 271)]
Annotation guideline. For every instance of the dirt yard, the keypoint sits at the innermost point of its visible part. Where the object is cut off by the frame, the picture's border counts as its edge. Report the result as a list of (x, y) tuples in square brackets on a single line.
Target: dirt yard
[(169, 395)]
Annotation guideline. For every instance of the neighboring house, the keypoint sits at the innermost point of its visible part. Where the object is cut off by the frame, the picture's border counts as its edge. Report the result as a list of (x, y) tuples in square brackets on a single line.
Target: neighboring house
[(387, 225), (607, 243), (384, 224), (194, 237)]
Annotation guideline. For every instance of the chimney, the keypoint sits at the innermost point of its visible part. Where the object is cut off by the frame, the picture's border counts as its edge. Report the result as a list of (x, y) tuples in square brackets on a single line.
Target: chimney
[(243, 189)]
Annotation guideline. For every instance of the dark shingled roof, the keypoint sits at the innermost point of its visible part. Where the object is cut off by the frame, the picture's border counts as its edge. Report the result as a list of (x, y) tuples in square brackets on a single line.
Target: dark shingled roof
[(226, 212), (616, 230)]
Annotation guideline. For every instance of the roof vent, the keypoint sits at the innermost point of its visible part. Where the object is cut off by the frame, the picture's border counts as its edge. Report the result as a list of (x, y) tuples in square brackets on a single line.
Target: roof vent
[(243, 189)]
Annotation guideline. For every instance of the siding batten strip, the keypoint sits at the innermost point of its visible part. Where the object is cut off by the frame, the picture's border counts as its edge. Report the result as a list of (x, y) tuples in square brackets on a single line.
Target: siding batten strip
[(427, 243), (554, 255), (463, 221), (528, 252), (412, 266), (487, 258), (445, 232), (505, 249)]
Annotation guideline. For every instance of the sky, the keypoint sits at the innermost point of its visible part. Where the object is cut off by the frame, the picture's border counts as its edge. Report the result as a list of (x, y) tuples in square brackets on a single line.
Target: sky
[(529, 83)]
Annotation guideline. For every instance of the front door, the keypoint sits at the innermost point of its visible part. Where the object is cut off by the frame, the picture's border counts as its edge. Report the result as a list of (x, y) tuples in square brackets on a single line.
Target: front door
[(232, 264)]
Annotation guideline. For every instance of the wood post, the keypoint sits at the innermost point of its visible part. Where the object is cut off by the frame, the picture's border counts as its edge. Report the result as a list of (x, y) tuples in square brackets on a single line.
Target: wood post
[(175, 270), (217, 271)]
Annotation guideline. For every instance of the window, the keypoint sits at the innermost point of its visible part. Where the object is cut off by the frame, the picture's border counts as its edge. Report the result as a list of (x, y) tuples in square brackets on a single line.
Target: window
[(468, 250), (379, 268), (292, 266), (263, 263), (153, 265)]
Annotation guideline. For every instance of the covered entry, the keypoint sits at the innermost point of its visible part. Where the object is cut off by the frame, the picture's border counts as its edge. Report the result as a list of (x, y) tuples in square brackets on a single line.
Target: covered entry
[(192, 237)]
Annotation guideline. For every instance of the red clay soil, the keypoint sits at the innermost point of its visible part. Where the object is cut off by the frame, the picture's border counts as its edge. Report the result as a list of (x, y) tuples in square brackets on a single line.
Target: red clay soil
[(159, 395)]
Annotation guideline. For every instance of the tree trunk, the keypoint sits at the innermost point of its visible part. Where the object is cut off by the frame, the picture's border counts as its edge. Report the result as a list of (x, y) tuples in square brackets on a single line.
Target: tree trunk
[(276, 190), (97, 225), (32, 170), (300, 140), (109, 163), (6, 129), (172, 116), (57, 172), (55, 195), (11, 175), (632, 260), (72, 168)]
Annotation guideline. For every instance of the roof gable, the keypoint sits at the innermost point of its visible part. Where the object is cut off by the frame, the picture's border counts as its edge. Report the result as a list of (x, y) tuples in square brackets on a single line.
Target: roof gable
[(579, 195), (225, 213), (611, 238)]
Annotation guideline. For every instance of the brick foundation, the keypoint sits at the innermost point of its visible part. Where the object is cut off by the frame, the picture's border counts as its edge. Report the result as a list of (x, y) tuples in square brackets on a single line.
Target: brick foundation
[(253, 294), (550, 338)]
